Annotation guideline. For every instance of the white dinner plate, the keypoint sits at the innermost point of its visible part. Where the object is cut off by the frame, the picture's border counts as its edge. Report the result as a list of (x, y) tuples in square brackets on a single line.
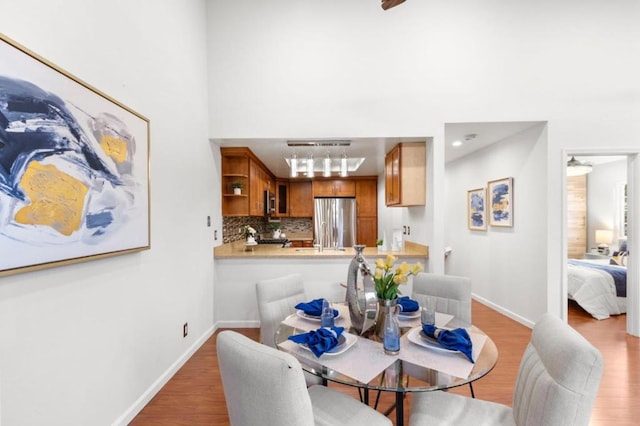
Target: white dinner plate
[(409, 315), (418, 337), (345, 341), (301, 314)]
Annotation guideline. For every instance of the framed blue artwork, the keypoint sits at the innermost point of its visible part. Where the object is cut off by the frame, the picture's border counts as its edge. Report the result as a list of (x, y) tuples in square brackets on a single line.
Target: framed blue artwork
[(477, 209), (501, 202), (74, 168)]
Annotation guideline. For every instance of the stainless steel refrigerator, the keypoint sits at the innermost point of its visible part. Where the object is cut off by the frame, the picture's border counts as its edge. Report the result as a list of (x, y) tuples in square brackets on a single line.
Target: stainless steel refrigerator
[(335, 222)]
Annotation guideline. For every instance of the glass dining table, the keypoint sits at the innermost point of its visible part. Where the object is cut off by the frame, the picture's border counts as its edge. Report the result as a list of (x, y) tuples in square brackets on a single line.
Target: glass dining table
[(361, 362)]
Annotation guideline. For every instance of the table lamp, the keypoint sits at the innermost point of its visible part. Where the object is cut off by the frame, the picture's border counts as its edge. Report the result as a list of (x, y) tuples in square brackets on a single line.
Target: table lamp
[(603, 239)]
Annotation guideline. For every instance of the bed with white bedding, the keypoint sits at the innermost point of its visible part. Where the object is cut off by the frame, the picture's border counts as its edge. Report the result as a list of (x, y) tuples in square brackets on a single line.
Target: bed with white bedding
[(599, 288)]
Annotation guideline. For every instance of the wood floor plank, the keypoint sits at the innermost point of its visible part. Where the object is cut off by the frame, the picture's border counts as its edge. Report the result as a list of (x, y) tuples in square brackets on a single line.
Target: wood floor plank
[(194, 396)]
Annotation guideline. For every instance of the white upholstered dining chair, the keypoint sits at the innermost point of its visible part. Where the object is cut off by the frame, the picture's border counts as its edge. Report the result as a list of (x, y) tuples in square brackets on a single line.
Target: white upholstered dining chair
[(264, 386), (557, 383), (277, 298), (452, 294)]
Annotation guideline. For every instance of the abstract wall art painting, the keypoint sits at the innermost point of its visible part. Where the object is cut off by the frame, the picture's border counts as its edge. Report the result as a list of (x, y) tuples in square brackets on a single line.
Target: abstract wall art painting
[(477, 209), (74, 168), (501, 198)]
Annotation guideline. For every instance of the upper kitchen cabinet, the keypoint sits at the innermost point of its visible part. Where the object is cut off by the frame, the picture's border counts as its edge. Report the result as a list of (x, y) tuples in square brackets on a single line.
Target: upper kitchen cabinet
[(241, 168), (405, 175), (282, 198), (300, 199), (334, 188), (367, 211), (235, 174), (367, 197)]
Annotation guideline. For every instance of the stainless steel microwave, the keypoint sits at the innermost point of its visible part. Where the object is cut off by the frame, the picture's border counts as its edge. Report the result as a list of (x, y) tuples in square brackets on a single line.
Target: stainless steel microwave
[(269, 203)]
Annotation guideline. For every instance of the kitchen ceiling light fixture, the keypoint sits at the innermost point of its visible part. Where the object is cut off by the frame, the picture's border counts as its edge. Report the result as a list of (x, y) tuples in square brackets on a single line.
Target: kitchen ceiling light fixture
[(326, 169), (311, 143), (293, 164), (310, 166), (353, 163), (578, 168), (344, 172), (340, 165)]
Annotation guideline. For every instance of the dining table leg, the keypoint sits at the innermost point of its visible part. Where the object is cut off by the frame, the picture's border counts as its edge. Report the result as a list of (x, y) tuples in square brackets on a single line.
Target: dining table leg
[(399, 408)]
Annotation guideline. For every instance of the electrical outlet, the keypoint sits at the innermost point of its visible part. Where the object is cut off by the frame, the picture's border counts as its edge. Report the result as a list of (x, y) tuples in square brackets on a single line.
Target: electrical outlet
[(185, 329), (208, 221), (215, 235)]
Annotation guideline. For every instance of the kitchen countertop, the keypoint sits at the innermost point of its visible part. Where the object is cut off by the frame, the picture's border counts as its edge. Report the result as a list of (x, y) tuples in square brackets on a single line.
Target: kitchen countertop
[(299, 236), (237, 250)]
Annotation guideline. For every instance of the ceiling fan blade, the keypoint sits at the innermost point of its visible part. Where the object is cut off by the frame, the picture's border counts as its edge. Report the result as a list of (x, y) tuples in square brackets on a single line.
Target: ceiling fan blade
[(388, 4)]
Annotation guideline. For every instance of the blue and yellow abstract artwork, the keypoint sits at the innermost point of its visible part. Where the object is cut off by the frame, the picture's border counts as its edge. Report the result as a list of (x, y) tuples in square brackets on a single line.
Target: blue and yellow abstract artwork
[(501, 209), (477, 209), (73, 167)]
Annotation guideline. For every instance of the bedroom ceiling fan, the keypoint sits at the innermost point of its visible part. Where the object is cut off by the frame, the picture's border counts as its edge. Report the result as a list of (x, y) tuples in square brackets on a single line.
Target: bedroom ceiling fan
[(388, 4)]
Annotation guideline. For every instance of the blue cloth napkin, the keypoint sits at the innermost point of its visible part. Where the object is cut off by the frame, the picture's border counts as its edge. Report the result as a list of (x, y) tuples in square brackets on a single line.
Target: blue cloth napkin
[(407, 305), (457, 339), (314, 308), (320, 340)]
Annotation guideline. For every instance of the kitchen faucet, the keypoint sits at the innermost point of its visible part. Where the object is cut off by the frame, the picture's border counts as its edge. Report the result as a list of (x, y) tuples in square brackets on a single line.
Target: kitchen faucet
[(323, 231)]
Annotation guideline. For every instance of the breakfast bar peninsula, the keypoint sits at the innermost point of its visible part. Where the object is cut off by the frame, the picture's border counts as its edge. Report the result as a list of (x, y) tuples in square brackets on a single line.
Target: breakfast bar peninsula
[(238, 268)]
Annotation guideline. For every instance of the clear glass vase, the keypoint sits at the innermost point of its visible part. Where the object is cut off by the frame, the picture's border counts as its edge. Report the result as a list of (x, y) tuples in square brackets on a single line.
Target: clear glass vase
[(387, 326)]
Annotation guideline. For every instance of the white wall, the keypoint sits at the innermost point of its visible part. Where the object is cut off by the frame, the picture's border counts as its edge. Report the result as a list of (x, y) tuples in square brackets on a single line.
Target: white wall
[(79, 345), (503, 263), (350, 69)]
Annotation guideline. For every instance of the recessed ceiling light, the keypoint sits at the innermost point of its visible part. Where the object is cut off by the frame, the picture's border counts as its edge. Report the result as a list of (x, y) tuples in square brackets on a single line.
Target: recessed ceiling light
[(456, 143)]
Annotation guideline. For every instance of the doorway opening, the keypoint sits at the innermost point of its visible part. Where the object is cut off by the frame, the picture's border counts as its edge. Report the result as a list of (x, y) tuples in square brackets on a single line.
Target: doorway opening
[(599, 226)]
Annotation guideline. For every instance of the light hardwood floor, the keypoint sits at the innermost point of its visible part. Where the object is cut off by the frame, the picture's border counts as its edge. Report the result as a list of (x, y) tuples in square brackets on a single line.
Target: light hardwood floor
[(194, 396)]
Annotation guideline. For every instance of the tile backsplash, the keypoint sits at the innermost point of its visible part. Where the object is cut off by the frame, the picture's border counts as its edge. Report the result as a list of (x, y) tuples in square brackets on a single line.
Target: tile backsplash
[(231, 226)]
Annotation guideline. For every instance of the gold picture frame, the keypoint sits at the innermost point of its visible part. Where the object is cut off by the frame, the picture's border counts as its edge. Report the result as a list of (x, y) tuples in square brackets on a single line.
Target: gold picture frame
[(500, 195), (74, 168), (477, 209)]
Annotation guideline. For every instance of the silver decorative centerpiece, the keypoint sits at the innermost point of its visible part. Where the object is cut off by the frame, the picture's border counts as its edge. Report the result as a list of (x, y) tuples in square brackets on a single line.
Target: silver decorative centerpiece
[(361, 293)]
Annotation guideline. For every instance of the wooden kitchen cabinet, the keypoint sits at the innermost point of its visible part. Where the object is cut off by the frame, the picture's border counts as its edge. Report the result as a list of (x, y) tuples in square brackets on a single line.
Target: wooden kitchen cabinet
[(242, 166), (301, 199), (367, 211), (256, 194), (282, 198), (405, 175), (235, 169), (367, 197), (334, 188), (367, 231)]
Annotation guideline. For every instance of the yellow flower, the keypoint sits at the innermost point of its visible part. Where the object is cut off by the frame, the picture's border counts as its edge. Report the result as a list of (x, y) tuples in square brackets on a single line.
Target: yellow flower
[(400, 279), (387, 280), (379, 274), (403, 268), (390, 261), (416, 268)]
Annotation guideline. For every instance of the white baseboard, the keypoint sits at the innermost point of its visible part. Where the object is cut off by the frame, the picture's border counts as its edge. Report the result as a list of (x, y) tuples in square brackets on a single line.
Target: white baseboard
[(504, 311), (144, 399), (238, 324)]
